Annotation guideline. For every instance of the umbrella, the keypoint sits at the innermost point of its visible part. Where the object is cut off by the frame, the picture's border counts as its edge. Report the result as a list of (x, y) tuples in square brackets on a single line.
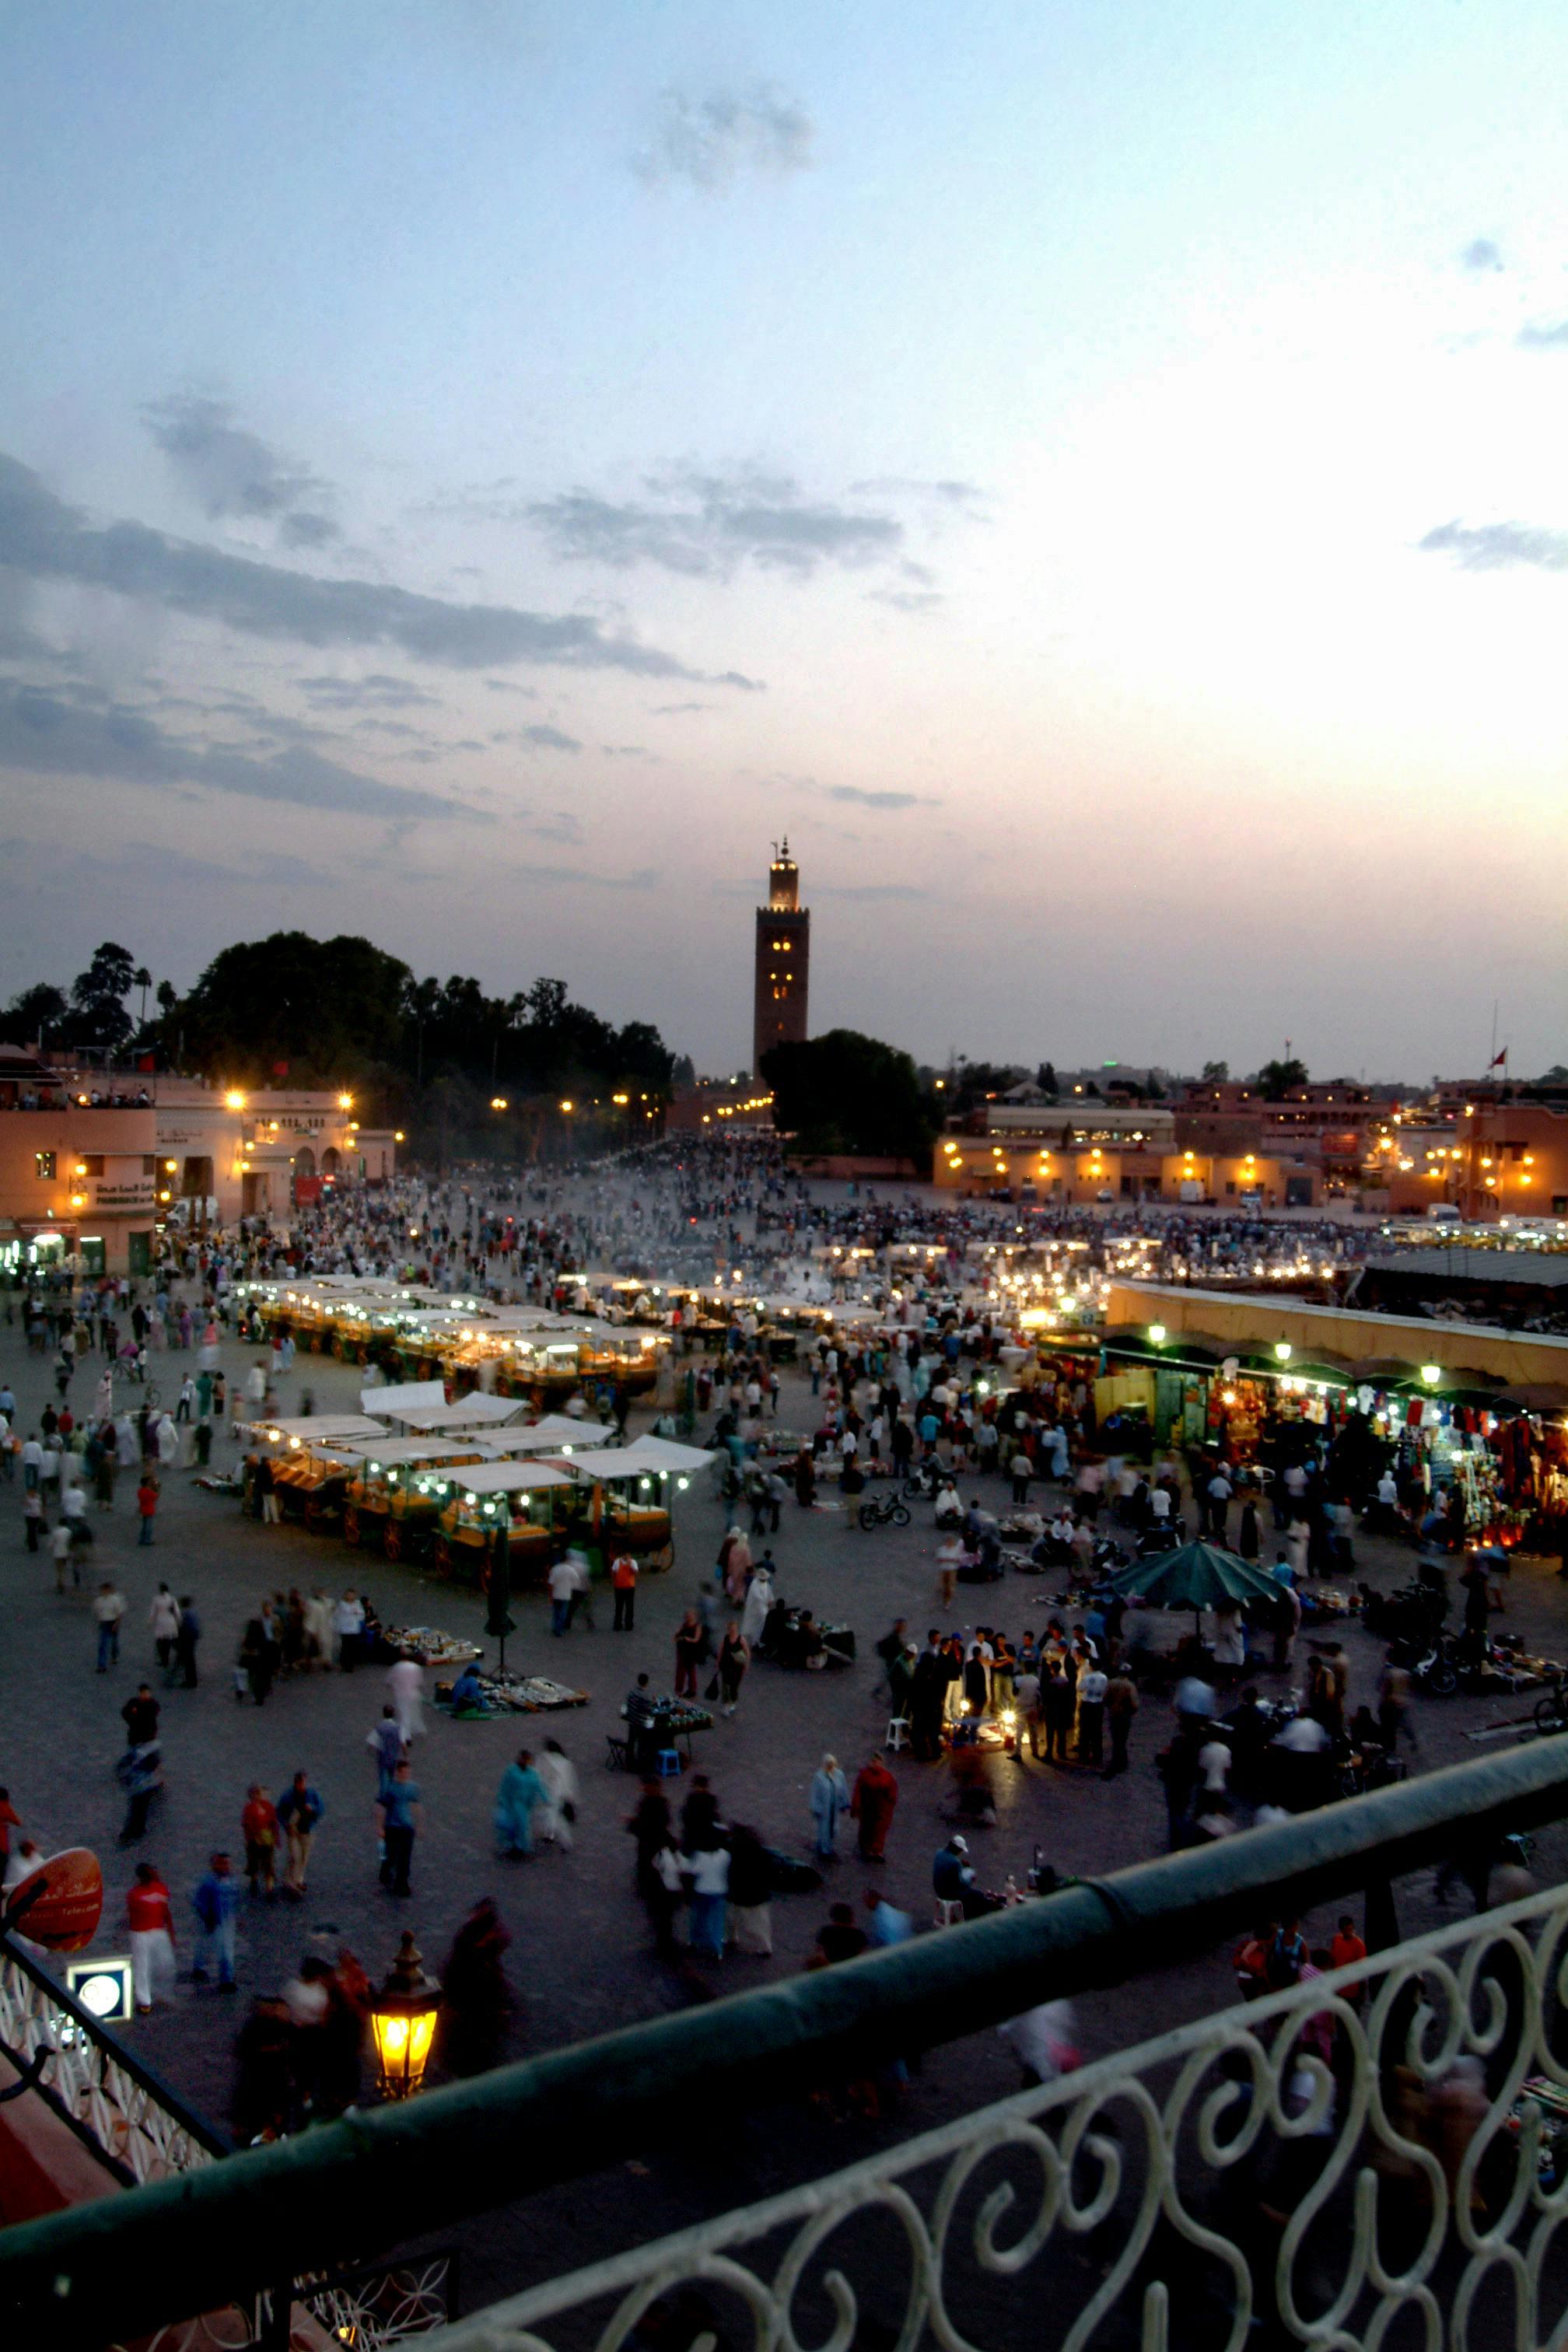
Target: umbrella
[(498, 1587), (1198, 1576), (1537, 1396)]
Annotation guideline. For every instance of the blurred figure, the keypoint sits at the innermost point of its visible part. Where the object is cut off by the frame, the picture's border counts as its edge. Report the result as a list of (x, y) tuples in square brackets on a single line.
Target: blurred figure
[(477, 2001)]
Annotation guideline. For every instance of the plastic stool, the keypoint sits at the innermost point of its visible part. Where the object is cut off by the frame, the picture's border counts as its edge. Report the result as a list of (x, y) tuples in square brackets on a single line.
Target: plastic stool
[(667, 1764), (898, 1733), (949, 1914)]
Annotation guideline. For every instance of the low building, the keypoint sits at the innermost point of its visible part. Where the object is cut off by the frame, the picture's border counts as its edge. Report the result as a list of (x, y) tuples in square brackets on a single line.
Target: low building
[(259, 1152), (719, 1104), (1086, 1152), (77, 1167), (1499, 1151)]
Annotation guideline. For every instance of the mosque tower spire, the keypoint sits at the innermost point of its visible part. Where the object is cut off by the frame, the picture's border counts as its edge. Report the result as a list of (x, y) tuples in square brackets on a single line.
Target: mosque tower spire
[(779, 1013)]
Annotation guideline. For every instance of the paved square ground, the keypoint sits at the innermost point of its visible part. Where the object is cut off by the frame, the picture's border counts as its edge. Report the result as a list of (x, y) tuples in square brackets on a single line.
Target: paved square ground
[(581, 1959)]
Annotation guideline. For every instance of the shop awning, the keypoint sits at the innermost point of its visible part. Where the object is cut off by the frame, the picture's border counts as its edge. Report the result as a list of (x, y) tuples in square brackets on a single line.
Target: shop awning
[(387, 1400)]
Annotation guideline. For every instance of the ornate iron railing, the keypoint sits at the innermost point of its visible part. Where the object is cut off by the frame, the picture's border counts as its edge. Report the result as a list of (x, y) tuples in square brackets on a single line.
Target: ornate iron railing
[(1369, 2157), (122, 2108), (120, 2267), (368, 2310)]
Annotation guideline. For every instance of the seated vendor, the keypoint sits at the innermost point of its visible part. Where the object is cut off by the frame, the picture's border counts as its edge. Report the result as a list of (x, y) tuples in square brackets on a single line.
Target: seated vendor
[(468, 1693)]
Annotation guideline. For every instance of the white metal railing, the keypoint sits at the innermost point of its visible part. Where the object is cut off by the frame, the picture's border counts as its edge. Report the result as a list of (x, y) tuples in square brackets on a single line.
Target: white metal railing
[(113, 2102), (1220, 2186)]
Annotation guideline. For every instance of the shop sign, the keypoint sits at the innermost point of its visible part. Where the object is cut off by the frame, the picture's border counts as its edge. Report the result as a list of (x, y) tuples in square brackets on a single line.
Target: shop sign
[(136, 1192)]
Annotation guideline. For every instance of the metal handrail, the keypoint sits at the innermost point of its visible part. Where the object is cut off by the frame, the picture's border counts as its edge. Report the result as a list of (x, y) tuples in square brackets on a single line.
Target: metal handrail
[(112, 2051), (123, 2265)]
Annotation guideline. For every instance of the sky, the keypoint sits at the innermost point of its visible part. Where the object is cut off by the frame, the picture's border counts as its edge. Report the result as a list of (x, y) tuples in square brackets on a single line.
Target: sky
[(1094, 476)]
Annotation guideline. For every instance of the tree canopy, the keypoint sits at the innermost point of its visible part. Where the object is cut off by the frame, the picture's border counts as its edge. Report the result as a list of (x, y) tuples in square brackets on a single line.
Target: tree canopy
[(844, 1092)]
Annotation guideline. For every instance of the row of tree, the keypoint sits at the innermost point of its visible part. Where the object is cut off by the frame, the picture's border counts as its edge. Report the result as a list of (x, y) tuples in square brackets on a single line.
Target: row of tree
[(341, 1013)]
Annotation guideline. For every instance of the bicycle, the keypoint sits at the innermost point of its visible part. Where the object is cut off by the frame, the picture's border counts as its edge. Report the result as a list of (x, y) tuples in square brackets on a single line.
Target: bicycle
[(1552, 1707), (890, 1513)]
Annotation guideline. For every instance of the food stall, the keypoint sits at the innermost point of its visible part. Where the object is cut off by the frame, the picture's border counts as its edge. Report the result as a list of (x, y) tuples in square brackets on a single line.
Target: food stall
[(310, 1478), (473, 1412), (627, 1510), (539, 1506), (390, 1503)]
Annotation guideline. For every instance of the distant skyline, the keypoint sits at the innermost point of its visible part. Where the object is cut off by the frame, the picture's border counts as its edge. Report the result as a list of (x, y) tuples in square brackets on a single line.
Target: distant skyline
[(473, 473)]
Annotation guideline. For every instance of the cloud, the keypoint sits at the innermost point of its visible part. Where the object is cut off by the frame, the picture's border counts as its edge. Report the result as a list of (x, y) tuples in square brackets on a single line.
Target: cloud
[(1499, 546), (871, 893), (376, 692), (1533, 338), (629, 751), (43, 735), (1481, 254), (642, 877), (710, 142), (674, 709), (706, 525), (231, 472), (847, 795), (545, 738), (509, 686), (45, 539), (905, 486), (908, 600), (853, 796)]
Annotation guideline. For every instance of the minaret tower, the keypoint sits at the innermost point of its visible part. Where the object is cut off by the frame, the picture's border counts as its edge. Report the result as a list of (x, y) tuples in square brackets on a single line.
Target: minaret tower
[(784, 961)]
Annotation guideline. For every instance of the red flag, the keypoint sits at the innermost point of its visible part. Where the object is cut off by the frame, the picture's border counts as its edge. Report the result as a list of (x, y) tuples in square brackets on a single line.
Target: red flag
[(146, 1061), (1498, 1061), (279, 1069)]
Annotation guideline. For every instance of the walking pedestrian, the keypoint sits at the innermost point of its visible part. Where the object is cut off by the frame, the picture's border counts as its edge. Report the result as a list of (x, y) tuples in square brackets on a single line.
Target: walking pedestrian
[(139, 1716), (476, 1998), (385, 1740), (146, 1507), (559, 1812), (299, 1810), (398, 1808), (216, 1904), (406, 1683), (563, 1586), (151, 1932), (829, 1797), (623, 1584), (690, 1643), (709, 1872), (875, 1795), (163, 1617), (108, 1609), (1120, 1706), (521, 1790), (189, 1634), (734, 1657), (259, 1827)]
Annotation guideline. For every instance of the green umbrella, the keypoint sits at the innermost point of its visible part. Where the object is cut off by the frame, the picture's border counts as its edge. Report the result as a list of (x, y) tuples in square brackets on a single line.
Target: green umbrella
[(498, 1588), (1198, 1576)]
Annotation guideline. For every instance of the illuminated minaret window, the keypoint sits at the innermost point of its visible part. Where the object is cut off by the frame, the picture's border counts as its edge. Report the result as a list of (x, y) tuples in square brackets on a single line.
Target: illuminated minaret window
[(784, 961)]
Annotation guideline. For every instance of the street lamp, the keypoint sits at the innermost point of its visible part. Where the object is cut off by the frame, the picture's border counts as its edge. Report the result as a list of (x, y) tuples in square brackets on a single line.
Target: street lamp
[(1157, 1334), (1282, 1350), (567, 1105), (1431, 1374), (402, 2020)]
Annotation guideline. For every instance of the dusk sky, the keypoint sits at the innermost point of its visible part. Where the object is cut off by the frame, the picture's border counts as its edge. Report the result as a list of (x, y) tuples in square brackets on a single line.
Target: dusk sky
[(1094, 473)]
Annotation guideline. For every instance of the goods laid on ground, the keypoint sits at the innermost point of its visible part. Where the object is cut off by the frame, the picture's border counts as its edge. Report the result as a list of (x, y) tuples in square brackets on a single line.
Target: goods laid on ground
[(429, 1647)]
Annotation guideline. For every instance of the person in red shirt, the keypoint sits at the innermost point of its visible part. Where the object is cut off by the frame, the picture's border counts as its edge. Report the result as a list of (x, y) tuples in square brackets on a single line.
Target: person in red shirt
[(9, 1821), (624, 1582), (146, 1505), (259, 1823), (152, 1930), (1346, 1948)]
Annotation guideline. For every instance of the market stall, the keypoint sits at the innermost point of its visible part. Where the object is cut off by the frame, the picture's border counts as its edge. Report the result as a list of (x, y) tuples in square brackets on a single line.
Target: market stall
[(539, 1506)]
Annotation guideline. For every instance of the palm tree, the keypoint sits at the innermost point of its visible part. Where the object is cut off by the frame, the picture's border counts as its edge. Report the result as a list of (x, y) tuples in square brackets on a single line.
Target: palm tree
[(142, 979)]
